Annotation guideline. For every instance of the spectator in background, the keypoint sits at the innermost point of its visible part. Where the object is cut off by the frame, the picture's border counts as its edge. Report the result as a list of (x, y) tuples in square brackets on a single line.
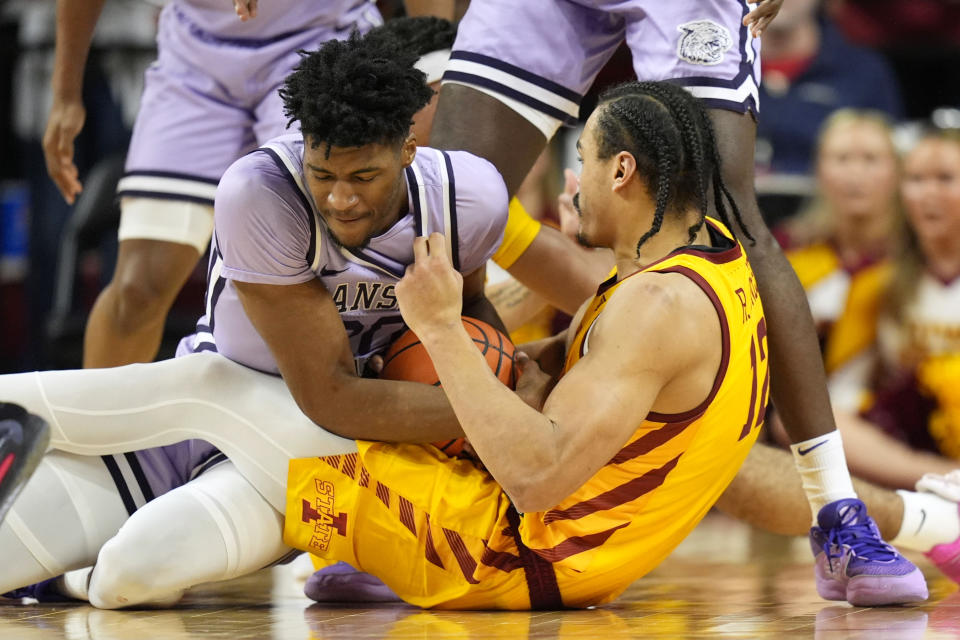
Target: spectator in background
[(915, 406), (883, 286), (838, 245), (809, 71), (909, 383)]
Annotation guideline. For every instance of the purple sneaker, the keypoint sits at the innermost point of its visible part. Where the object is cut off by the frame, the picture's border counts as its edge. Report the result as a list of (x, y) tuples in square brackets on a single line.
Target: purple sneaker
[(342, 583), (853, 563), (23, 440)]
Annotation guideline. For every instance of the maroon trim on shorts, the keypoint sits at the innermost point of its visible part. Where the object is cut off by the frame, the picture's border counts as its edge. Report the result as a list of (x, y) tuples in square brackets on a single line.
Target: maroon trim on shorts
[(541, 578), (364, 477), (406, 514), (350, 465), (431, 549), (501, 560), (383, 493), (468, 565)]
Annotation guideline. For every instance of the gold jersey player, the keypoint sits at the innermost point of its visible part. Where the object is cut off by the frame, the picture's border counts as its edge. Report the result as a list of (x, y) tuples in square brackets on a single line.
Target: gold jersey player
[(590, 483)]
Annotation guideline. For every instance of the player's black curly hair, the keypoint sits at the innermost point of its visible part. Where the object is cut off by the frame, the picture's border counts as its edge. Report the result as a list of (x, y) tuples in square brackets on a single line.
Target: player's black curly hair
[(421, 35), (354, 92), (669, 133)]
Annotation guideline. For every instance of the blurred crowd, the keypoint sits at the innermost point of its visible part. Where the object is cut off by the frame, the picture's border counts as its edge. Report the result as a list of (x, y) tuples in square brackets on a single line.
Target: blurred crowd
[(858, 165)]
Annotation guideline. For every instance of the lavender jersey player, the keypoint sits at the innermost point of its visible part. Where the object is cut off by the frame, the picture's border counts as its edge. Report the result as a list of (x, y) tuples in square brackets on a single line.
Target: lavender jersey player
[(211, 97), (269, 232), (540, 56), (367, 185)]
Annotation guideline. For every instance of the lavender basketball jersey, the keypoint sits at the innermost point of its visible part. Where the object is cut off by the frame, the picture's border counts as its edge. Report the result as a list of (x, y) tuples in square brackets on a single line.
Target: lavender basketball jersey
[(268, 231)]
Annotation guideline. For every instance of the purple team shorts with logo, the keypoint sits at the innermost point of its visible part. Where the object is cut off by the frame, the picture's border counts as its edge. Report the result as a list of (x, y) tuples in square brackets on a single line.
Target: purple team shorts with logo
[(208, 100), (546, 53)]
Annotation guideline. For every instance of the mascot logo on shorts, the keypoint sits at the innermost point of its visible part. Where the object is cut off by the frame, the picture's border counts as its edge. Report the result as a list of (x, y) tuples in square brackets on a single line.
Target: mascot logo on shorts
[(703, 42)]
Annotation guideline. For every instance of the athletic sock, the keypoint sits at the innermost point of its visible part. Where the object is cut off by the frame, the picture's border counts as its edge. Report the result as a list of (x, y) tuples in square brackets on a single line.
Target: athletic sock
[(928, 520), (823, 470)]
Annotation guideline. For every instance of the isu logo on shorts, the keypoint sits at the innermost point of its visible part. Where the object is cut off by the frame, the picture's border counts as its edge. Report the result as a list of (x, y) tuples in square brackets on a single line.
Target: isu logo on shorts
[(320, 514), (703, 42)]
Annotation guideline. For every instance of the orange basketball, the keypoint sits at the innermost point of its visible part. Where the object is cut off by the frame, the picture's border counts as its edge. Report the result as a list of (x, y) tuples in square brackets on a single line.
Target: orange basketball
[(407, 359)]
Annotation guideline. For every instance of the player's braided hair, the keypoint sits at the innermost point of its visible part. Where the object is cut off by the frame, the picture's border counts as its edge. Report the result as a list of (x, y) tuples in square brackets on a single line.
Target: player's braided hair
[(669, 134), (421, 35), (354, 92)]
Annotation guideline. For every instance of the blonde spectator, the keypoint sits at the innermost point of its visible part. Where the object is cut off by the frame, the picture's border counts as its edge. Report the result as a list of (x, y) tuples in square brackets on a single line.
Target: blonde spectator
[(912, 425), (838, 245)]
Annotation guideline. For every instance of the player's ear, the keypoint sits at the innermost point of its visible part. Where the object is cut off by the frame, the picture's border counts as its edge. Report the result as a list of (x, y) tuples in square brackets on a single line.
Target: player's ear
[(409, 149), (625, 166)]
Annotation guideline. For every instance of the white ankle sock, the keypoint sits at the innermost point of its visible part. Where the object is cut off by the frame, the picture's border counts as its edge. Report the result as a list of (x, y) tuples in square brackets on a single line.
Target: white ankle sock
[(928, 520), (823, 470)]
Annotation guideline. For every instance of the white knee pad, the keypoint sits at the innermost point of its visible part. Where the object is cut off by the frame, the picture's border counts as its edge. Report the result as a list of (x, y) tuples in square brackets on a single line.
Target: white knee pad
[(178, 221), (121, 578), (215, 527)]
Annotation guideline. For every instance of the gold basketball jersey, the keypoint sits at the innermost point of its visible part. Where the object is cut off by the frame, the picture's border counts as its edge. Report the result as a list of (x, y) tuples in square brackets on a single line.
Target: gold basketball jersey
[(629, 516)]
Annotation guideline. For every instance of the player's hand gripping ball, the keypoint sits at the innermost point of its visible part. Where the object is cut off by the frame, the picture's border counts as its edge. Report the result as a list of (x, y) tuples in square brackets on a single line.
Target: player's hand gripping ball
[(407, 359)]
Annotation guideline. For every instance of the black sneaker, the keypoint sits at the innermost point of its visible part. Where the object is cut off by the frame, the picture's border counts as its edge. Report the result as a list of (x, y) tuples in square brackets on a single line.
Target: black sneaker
[(23, 441)]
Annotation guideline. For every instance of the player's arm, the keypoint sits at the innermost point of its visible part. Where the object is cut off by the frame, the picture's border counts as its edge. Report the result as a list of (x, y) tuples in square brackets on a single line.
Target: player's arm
[(76, 20), (554, 267), (303, 329), (598, 403), (263, 238), (551, 353)]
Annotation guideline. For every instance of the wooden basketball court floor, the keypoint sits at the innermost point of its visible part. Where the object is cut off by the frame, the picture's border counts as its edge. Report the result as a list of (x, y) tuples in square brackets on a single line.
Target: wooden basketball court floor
[(725, 581)]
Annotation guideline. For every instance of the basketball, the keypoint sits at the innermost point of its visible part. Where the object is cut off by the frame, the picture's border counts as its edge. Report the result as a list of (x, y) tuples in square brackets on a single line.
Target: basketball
[(407, 359)]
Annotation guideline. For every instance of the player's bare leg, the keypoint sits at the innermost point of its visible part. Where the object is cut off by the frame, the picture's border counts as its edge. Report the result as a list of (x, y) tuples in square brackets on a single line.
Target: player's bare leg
[(476, 122), (126, 324), (798, 383), (875, 574), (763, 495), (470, 120)]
